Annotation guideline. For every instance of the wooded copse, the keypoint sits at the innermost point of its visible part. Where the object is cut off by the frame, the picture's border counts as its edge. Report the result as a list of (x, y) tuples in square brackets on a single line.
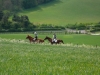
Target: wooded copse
[(22, 23)]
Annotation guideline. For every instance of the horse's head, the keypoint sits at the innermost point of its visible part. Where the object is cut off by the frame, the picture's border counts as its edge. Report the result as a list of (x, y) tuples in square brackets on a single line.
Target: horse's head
[(47, 38), (27, 37)]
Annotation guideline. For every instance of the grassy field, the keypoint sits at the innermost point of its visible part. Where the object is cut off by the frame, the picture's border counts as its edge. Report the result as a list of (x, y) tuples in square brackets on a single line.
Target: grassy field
[(68, 38), (62, 12), (23, 58)]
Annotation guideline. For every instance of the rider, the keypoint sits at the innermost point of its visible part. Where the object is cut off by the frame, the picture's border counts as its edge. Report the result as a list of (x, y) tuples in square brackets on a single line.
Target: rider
[(35, 36), (54, 38)]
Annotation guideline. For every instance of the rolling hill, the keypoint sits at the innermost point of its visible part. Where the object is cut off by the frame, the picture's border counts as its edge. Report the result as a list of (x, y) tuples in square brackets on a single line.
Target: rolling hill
[(62, 12)]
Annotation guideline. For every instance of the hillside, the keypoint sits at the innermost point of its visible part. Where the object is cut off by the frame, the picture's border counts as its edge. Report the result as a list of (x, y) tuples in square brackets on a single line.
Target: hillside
[(62, 12)]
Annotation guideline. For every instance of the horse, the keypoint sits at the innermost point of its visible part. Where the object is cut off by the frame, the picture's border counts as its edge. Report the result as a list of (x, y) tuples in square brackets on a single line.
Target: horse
[(31, 39), (40, 40), (52, 42)]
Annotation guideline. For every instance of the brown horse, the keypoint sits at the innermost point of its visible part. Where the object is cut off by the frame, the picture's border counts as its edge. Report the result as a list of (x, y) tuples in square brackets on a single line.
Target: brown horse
[(31, 39), (50, 40)]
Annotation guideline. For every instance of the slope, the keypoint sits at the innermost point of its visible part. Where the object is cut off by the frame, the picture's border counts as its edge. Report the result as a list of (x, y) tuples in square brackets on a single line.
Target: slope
[(62, 12)]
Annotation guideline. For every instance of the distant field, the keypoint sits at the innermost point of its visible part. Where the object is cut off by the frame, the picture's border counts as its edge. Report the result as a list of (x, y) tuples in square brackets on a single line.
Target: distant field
[(68, 38), (62, 12)]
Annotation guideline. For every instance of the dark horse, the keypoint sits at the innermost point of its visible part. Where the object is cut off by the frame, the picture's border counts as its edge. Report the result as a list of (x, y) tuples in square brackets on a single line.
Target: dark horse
[(50, 40), (31, 39)]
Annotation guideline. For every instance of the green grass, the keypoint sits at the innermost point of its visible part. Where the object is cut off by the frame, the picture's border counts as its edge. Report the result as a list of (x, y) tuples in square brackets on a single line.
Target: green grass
[(62, 12), (40, 59), (68, 38)]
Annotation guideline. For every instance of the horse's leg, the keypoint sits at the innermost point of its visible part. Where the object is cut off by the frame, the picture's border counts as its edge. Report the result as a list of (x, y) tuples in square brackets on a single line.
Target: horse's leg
[(41, 41), (57, 42), (36, 41), (30, 41), (51, 43), (62, 42)]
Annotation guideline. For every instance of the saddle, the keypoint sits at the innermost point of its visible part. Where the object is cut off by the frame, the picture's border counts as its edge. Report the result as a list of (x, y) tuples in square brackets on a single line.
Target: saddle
[(55, 40)]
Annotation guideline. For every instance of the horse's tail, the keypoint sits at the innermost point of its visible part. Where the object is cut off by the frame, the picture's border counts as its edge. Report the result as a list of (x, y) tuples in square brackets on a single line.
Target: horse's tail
[(42, 40)]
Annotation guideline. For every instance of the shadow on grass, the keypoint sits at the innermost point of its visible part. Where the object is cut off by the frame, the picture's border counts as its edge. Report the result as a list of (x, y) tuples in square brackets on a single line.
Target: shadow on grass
[(40, 7)]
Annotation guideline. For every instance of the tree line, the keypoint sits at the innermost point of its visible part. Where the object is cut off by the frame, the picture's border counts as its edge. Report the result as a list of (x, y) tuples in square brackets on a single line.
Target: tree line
[(16, 5), (92, 27), (22, 24)]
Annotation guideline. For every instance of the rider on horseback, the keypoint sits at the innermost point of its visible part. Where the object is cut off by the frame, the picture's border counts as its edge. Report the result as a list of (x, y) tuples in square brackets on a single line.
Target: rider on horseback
[(36, 36), (54, 38)]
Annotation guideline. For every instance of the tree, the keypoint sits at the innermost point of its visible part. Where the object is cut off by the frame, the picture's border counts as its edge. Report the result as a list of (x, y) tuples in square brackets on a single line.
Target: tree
[(29, 3), (1, 15), (16, 5), (16, 18), (25, 21), (7, 5)]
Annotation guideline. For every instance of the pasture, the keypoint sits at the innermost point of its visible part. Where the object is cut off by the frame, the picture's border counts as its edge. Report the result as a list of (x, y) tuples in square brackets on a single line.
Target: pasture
[(68, 38), (62, 12), (22, 58)]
